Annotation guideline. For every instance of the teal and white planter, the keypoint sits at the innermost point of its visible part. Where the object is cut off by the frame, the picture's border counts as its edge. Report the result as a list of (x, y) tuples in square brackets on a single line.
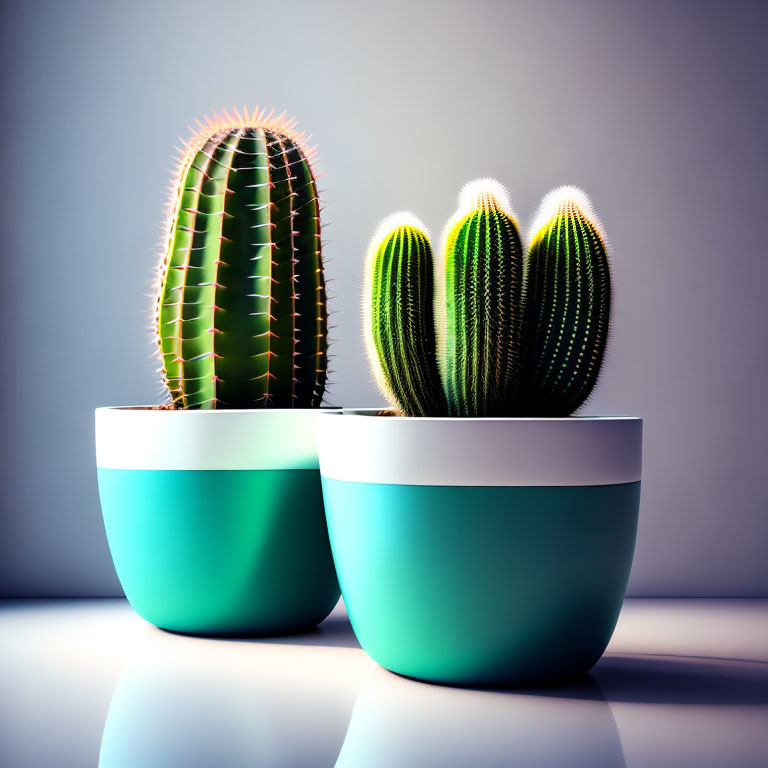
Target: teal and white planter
[(491, 552), (215, 518)]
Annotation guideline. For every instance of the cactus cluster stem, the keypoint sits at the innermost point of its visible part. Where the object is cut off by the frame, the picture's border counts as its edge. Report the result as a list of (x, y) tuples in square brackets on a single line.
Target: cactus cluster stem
[(483, 274), (567, 305), (400, 327)]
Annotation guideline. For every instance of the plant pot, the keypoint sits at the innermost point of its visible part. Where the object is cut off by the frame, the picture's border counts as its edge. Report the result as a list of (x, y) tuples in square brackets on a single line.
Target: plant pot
[(215, 518), (491, 552)]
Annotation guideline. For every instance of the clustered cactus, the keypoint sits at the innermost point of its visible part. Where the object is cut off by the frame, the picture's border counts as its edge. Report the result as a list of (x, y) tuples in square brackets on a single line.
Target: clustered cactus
[(399, 316), (491, 331), (567, 304), (241, 314), (483, 276)]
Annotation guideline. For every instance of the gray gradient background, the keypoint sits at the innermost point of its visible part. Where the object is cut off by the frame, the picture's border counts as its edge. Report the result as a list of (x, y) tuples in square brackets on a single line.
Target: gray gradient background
[(658, 109)]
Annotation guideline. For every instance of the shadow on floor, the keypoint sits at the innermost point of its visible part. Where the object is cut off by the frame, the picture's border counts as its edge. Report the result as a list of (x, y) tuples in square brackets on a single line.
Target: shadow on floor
[(682, 680), (334, 632), (671, 680), (657, 679)]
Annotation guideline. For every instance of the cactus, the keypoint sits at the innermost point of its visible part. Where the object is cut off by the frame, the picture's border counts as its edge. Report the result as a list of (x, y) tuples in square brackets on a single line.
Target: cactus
[(567, 304), (515, 337), (483, 277), (399, 320), (241, 313)]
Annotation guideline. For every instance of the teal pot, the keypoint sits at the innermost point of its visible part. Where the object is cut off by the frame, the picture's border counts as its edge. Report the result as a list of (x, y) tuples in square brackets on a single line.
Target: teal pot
[(215, 518), (490, 552)]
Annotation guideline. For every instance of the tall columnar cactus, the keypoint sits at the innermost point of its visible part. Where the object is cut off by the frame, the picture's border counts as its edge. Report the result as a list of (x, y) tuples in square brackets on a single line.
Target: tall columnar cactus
[(515, 336), (399, 317), (567, 304), (483, 277), (241, 304)]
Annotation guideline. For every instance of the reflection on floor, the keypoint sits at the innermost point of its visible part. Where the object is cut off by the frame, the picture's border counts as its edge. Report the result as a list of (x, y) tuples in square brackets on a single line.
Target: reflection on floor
[(87, 682)]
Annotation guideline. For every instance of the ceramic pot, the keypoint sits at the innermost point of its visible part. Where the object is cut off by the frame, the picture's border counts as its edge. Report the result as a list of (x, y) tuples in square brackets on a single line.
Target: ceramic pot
[(490, 552), (215, 518)]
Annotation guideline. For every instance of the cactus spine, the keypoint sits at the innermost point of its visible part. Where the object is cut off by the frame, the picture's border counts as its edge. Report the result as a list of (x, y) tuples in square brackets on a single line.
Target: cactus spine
[(241, 307), (483, 274), (567, 304), (399, 317), (515, 336)]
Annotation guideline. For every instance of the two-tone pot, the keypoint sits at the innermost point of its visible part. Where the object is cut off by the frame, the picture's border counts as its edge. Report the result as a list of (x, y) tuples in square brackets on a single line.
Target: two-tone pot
[(215, 518), (482, 551)]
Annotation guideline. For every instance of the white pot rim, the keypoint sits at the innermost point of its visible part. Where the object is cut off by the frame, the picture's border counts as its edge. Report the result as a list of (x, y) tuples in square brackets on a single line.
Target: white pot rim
[(381, 413), (447, 451), (148, 438)]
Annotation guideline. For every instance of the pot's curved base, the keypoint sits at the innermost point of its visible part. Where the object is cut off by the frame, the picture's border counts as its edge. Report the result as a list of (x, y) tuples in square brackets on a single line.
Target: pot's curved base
[(502, 680), (483, 586), (221, 552), (250, 632)]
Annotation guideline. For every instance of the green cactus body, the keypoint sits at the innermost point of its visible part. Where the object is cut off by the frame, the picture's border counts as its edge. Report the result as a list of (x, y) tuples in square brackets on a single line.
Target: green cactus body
[(567, 305), (483, 276), (399, 316), (515, 336), (241, 306)]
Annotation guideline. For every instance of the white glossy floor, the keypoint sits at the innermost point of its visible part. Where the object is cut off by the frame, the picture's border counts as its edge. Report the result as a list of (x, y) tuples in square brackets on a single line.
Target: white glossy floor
[(87, 682)]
